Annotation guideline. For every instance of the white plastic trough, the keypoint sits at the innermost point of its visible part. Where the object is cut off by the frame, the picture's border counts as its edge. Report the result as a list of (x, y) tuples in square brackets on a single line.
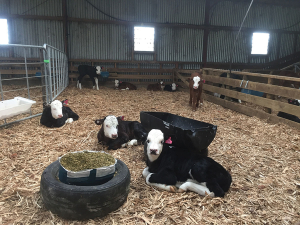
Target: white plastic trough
[(13, 107)]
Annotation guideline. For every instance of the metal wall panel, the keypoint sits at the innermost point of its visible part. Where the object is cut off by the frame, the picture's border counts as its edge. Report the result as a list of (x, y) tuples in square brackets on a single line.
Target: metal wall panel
[(108, 41), (99, 41), (188, 11), (260, 16), (179, 44), (37, 32), (36, 7)]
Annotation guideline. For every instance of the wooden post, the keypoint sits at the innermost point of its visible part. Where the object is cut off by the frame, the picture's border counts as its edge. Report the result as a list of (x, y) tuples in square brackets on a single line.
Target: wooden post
[(206, 32), (65, 26), (270, 81)]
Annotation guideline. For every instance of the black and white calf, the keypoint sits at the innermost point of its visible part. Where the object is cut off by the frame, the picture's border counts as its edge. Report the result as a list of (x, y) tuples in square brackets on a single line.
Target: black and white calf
[(289, 116), (170, 87), (92, 71), (169, 168), (117, 133), (57, 114)]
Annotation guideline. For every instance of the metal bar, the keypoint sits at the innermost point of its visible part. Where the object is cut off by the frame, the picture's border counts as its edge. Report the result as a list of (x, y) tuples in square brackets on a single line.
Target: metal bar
[(29, 117), (27, 81), (17, 45), (37, 63)]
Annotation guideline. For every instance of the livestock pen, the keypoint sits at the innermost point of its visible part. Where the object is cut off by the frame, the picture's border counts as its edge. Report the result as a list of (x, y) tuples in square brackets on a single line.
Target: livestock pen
[(263, 159), (38, 73)]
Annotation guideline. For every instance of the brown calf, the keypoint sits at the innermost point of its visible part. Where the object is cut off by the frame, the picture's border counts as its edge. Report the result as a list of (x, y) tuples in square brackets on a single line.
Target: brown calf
[(156, 87), (196, 83)]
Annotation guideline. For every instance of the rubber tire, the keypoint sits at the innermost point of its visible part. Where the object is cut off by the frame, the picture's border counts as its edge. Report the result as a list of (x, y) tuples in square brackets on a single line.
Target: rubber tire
[(84, 202)]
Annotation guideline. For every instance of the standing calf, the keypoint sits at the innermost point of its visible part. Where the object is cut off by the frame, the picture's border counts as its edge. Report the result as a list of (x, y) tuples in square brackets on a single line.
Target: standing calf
[(92, 71), (57, 114), (169, 167), (156, 87), (116, 133), (196, 83)]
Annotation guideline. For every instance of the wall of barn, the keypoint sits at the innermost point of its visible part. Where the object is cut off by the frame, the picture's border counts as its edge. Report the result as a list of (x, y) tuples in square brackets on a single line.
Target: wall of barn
[(115, 41)]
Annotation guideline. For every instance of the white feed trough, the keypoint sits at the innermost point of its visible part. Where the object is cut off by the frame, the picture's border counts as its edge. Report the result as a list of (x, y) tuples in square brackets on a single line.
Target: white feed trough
[(13, 107)]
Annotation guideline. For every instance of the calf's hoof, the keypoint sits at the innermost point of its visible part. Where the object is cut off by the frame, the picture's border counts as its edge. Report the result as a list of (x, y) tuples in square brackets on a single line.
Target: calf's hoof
[(173, 189), (180, 190)]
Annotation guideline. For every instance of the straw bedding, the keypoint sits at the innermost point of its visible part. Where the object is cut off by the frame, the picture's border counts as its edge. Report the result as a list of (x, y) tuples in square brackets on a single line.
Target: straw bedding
[(263, 159)]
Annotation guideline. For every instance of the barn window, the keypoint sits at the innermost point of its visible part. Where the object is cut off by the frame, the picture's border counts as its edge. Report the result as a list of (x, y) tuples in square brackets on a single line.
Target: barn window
[(4, 31), (144, 39), (260, 43)]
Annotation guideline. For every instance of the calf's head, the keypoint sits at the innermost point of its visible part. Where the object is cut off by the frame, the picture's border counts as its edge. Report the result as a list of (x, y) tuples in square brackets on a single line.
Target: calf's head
[(110, 126), (196, 81), (294, 102), (174, 86), (154, 144), (56, 109), (117, 82), (98, 69)]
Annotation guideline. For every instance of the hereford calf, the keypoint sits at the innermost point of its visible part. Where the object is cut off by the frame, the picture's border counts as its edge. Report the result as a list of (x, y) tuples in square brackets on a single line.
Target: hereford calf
[(57, 114), (159, 86), (117, 133), (196, 83), (169, 167), (124, 85)]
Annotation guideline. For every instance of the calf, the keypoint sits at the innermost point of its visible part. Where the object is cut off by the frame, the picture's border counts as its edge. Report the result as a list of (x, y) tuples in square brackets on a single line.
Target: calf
[(117, 133), (234, 76), (170, 87), (92, 71), (195, 84), (289, 116), (57, 114), (169, 167), (159, 86), (124, 85)]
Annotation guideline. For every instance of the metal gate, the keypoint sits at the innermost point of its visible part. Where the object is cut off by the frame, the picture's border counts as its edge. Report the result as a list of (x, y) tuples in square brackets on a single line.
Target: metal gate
[(38, 73)]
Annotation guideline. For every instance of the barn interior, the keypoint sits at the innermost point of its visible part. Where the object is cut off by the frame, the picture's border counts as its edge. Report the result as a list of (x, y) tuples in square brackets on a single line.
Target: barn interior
[(43, 42)]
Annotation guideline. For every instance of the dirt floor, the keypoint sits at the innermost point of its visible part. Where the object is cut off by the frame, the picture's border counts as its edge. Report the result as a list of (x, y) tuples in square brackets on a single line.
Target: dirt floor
[(263, 159)]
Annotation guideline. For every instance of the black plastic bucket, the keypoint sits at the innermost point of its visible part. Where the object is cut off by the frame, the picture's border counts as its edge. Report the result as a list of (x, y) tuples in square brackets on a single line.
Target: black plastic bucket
[(185, 133)]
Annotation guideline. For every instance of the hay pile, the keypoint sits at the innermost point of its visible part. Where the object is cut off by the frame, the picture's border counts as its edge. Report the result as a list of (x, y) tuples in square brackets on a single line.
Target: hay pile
[(263, 159)]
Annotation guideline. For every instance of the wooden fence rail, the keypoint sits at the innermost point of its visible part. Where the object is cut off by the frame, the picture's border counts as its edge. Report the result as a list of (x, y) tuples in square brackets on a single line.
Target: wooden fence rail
[(213, 81)]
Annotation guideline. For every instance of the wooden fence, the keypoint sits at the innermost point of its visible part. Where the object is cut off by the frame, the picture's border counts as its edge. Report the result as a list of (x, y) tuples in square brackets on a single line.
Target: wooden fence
[(269, 103)]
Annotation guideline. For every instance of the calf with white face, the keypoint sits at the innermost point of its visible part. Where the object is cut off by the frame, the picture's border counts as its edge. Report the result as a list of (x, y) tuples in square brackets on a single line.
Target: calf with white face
[(195, 85), (92, 71), (170, 87), (57, 114), (169, 168), (117, 133)]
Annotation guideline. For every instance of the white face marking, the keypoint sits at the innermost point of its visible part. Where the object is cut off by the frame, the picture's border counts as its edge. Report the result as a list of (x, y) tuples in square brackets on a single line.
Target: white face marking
[(111, 127), (98, 69), (196, 82), (117, 83), (155, 141), (173, 86), (56, 109)]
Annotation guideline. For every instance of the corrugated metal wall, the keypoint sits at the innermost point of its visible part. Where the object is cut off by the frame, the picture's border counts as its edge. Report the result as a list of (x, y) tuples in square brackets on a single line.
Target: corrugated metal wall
[(108, 41)]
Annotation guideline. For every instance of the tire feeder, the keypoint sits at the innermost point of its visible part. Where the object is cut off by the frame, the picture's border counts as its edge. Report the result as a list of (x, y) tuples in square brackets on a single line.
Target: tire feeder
[(96, 176), (84, 202)]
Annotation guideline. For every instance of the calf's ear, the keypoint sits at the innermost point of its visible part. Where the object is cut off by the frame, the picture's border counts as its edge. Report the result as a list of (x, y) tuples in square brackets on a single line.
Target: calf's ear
[(120, 118), (65, 102), (99, 122)]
